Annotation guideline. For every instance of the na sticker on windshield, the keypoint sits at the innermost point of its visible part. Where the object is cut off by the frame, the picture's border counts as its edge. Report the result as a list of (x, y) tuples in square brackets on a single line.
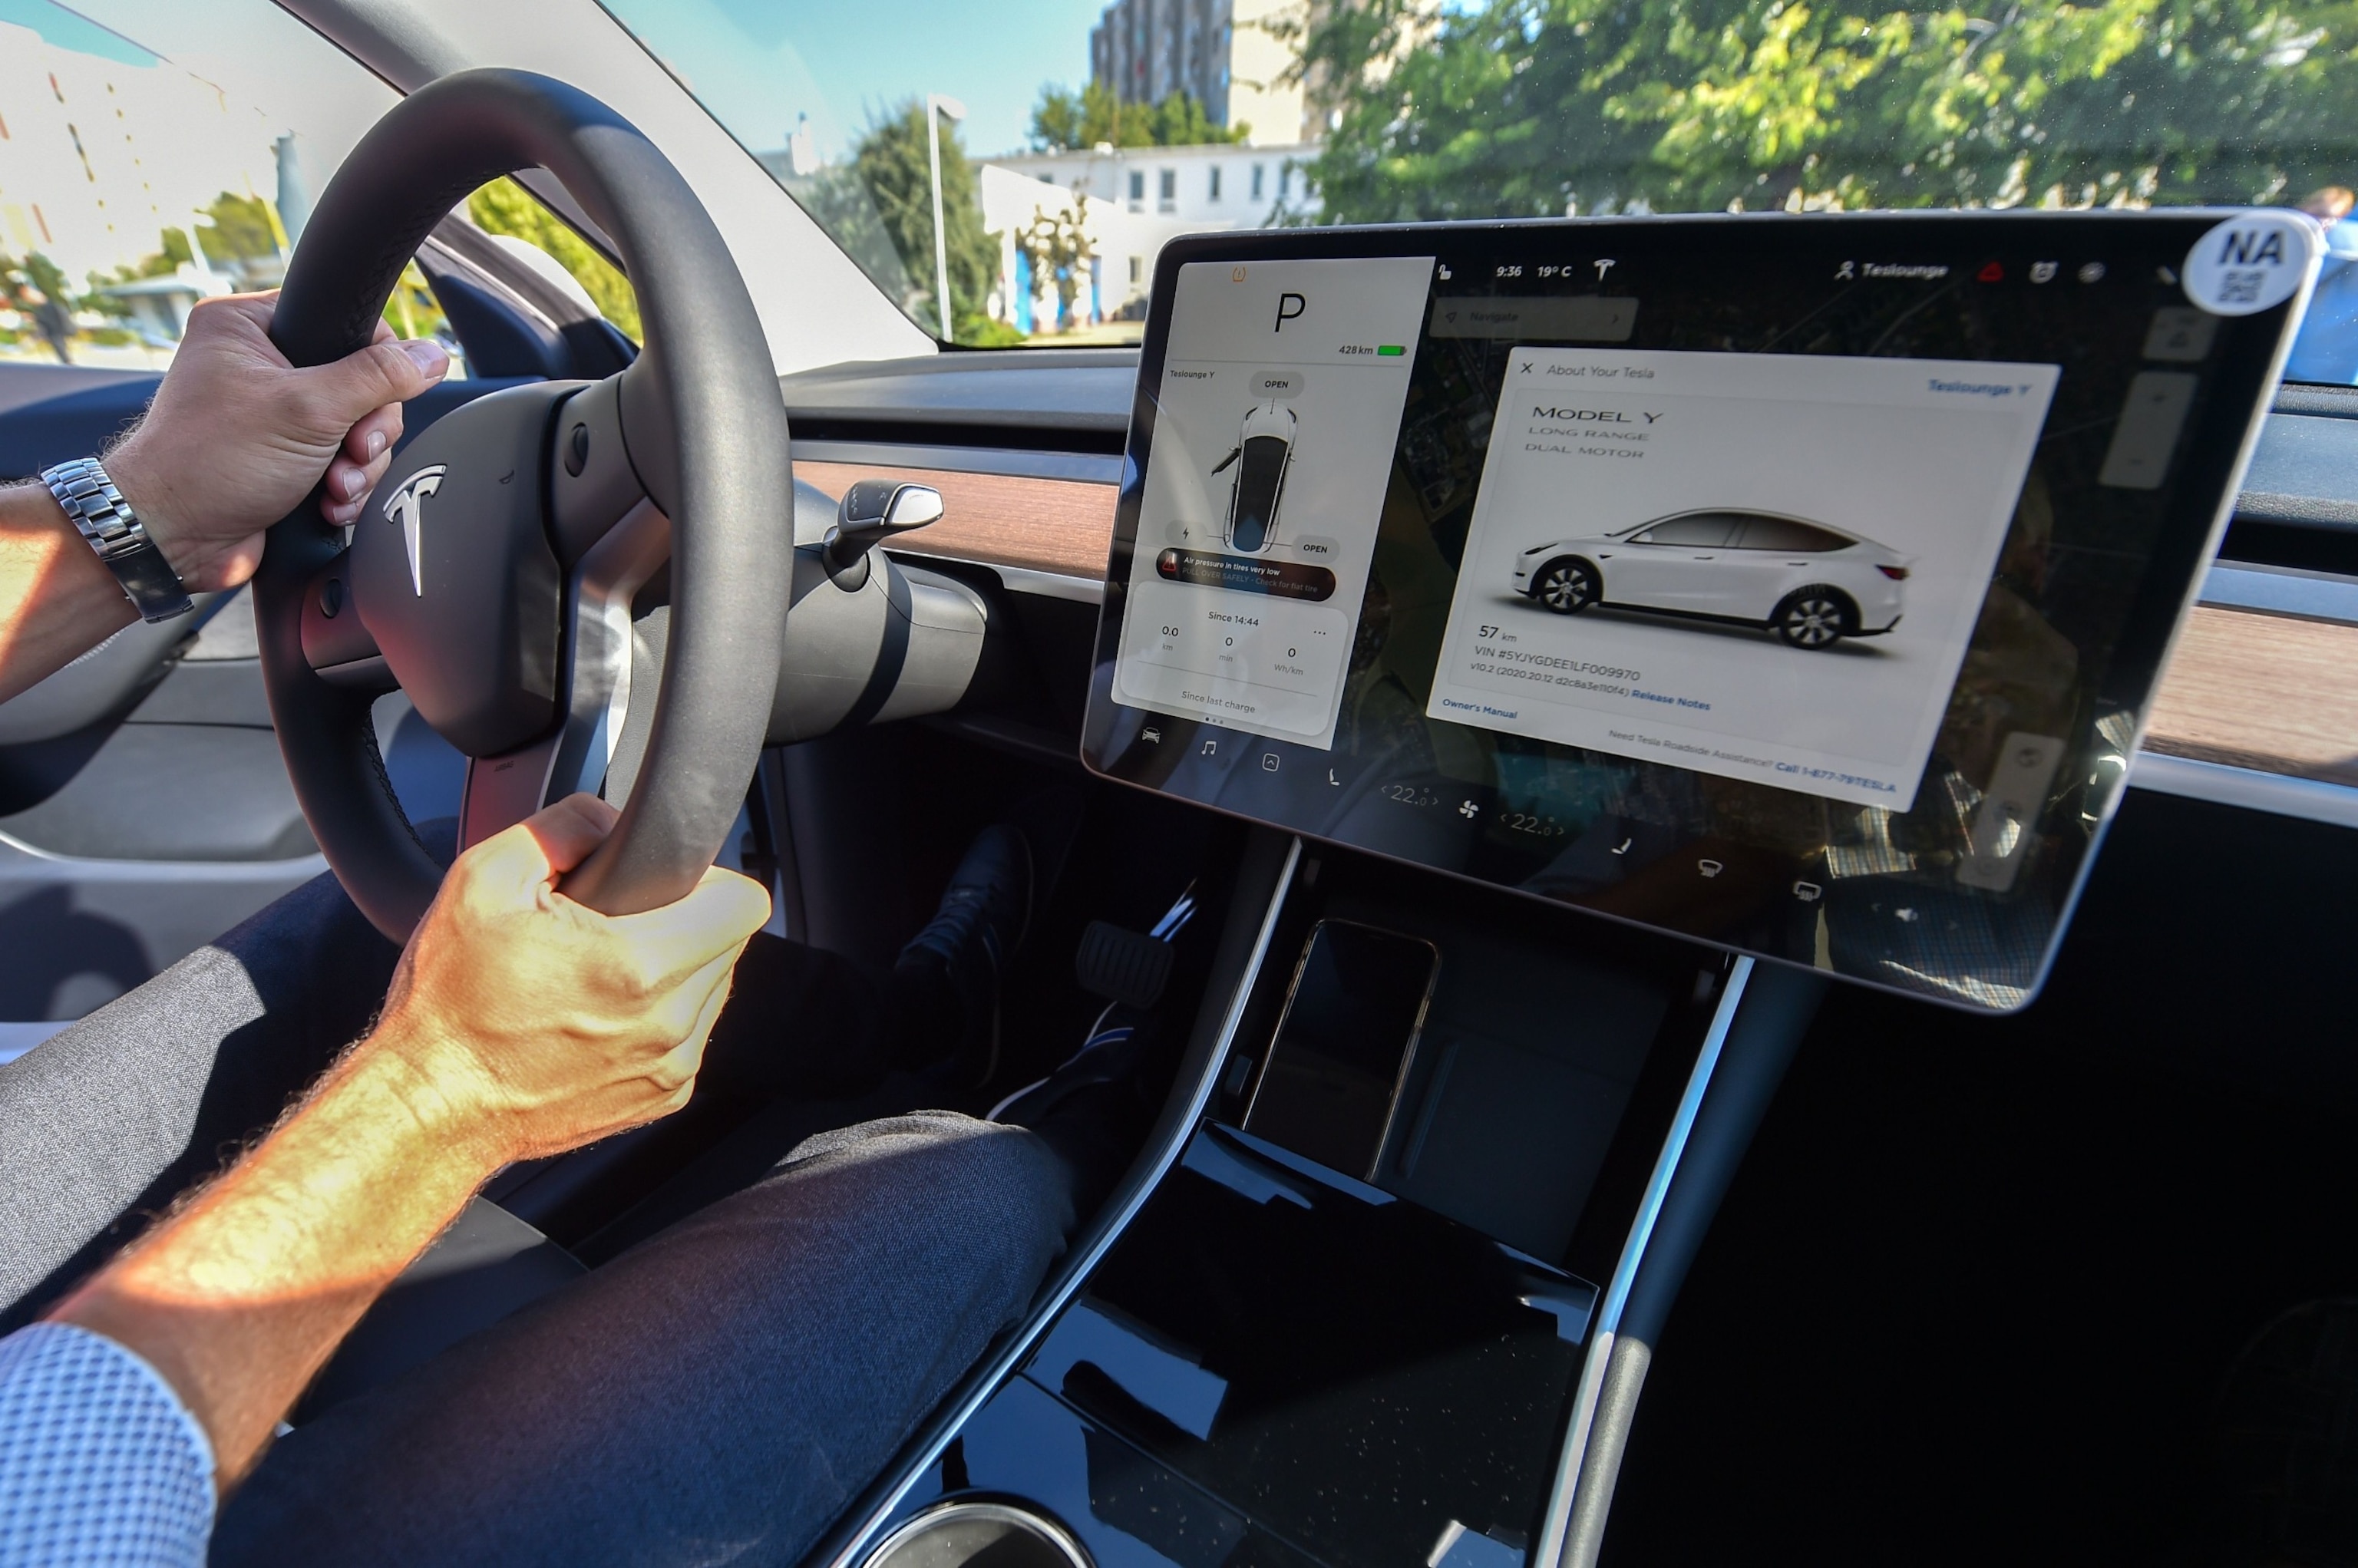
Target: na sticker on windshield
[(2251, 262)]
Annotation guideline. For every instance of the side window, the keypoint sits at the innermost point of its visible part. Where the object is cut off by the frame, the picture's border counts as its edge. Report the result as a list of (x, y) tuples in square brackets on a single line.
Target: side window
[(158, 160), (1709, 529), (175, 154), (1789, 535)]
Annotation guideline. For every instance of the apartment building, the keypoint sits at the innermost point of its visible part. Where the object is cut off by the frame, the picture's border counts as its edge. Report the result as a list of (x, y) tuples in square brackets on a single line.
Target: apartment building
[(1222, 53)]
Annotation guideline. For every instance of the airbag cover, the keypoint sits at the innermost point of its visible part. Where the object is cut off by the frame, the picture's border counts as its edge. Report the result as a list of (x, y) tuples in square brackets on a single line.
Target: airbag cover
[(454, 577)]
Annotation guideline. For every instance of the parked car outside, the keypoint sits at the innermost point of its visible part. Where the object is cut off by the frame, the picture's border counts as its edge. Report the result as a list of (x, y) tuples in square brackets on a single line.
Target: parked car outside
[(1810, 584)]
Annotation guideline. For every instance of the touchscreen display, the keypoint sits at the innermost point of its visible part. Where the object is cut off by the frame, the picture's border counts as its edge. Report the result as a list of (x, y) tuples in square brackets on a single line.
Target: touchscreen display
[(1631, 541), (1795, 585)]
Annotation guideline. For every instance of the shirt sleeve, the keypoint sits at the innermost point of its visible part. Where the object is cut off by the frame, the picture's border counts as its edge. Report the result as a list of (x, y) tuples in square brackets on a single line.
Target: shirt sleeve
[(100, 1462)]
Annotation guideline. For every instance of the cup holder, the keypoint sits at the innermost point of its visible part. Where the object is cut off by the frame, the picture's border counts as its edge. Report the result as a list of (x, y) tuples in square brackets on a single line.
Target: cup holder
[(979, 1535)]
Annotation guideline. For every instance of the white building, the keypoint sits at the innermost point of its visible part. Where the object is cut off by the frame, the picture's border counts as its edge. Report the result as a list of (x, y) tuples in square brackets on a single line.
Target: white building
[(1222, 53), (1136, 199), (98, 157)]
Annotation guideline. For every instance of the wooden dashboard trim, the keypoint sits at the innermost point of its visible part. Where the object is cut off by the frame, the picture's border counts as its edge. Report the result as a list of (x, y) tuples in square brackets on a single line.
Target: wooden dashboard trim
[(2273, 693), (2246, 688), (1063, 527)]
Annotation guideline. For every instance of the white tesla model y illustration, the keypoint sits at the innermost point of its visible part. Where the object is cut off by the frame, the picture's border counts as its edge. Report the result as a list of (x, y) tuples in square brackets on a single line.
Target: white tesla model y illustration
[(1810, 584), (1262, 454)]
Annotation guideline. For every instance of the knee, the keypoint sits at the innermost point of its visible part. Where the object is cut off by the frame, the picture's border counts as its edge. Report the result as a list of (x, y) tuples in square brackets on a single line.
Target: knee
[(984, 1176)]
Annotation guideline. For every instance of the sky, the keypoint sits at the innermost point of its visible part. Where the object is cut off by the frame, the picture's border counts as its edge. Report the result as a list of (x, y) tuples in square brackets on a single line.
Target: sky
[(757, 64), (69, 31)]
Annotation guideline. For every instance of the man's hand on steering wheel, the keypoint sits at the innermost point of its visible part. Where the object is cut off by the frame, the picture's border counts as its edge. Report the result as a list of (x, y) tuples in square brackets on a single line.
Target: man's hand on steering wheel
[(237, 437), (535, 1025)]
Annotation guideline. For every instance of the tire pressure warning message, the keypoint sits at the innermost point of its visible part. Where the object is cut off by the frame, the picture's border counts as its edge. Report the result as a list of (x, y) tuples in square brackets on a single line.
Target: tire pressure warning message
[(1766, 566), (1274, 422)]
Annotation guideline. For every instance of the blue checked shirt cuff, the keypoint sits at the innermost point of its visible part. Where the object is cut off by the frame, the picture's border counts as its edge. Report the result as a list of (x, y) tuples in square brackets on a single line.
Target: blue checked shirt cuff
[(100, 1462)]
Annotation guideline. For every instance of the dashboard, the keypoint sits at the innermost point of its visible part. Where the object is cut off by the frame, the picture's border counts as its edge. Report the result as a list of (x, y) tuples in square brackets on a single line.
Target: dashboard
[(1801, 585)]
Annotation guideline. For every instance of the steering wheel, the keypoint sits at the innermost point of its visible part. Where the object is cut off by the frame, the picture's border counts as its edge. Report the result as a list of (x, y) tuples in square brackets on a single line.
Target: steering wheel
[(492, 576)]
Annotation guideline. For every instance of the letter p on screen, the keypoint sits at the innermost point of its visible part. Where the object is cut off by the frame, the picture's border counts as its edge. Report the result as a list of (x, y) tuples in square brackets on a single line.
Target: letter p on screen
[(1289, 306)]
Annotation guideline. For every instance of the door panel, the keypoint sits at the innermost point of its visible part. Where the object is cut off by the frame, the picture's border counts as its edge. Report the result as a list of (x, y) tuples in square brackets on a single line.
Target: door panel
[(1640, 574), (171, 791), (1776, 555), (1675, 565), (143, 807)]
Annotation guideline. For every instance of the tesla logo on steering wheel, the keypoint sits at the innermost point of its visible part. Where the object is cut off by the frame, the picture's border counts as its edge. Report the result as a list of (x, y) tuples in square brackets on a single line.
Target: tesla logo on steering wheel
[(403, 506)]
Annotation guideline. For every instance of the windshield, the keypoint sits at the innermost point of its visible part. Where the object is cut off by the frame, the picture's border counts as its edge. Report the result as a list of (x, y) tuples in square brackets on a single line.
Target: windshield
[(1072, 139)]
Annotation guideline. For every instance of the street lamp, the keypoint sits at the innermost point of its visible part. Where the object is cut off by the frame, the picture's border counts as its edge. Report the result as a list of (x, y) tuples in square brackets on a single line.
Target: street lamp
[(936, 104)]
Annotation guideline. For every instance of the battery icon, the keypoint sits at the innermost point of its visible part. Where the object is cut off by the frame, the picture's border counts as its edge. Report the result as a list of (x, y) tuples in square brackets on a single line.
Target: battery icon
[(1387, 351)]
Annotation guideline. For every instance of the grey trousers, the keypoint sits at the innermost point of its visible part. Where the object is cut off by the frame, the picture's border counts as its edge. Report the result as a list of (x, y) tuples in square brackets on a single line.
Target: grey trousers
[(719, 1393)]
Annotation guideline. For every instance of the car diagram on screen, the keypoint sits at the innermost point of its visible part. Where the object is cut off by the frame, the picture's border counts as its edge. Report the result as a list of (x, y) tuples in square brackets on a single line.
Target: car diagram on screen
[(1810, 584), (1263, 452)]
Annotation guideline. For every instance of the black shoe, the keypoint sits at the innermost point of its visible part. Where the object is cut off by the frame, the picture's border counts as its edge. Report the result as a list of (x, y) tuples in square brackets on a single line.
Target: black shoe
[(1096, 1110), (1112, 1056), (965, 950)]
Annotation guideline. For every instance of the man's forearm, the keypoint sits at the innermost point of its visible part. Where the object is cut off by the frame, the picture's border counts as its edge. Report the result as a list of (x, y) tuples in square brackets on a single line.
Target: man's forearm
[(58, 601), (241, 1295)]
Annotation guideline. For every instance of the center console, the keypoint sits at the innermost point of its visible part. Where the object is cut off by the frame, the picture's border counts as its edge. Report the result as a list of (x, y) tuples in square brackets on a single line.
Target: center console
[(1616, 629), (1318, 1335)]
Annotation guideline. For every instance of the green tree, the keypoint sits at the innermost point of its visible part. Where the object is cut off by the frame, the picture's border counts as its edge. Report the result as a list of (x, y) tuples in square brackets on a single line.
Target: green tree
[(1535, 107), (892, 163), (1066, 121), (38, 289), (841, 204), (1180, 122), (243, 228), (1063, 121), (504, 207)]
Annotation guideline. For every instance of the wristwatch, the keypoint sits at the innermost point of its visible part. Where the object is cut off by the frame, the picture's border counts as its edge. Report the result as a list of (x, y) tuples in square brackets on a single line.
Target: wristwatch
[(113, 530)]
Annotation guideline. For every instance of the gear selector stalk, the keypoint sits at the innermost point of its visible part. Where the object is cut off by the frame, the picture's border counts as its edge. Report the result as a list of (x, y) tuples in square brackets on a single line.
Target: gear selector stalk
[(871, 511)]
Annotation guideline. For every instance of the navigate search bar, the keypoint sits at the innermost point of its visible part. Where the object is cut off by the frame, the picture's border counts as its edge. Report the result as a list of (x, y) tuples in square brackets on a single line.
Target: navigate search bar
[(1578, 317)]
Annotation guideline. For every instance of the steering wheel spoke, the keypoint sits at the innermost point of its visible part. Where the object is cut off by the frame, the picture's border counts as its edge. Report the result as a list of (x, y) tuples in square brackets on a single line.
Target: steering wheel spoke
[(593, 484), (336, 643), (595, 685)]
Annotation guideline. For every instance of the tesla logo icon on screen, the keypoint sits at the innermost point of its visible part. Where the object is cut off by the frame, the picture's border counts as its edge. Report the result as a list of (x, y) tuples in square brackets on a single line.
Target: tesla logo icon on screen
[(403, 507)]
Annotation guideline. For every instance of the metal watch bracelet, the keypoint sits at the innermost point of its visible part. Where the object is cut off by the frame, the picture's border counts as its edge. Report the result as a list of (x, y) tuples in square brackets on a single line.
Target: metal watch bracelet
[(113, 530)]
